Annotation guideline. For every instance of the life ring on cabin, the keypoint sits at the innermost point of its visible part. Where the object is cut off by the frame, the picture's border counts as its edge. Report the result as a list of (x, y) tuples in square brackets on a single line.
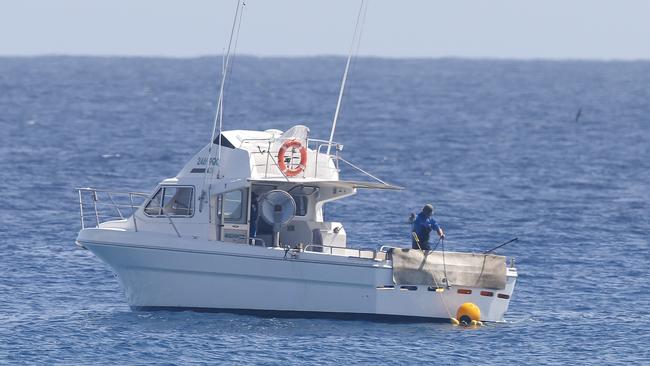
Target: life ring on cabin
[(292, 144)]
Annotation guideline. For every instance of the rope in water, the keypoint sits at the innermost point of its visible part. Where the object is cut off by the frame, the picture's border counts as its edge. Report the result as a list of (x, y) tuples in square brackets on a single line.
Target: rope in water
[(439, 289)]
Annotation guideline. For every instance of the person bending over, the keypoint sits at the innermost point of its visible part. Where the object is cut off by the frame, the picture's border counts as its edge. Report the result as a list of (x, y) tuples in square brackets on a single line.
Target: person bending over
[(423, 225)]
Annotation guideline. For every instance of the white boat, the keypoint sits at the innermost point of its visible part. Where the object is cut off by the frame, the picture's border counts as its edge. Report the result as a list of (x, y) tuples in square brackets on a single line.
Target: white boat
[(187, 245), (240, 228)]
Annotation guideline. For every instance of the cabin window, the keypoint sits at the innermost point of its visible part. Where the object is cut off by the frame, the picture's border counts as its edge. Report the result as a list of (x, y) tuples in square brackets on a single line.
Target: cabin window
[(154, 205), (234, 203), (171, 201)]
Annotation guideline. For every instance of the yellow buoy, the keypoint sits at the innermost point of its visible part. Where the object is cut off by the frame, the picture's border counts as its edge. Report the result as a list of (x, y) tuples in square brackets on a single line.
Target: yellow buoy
[(468, 313)]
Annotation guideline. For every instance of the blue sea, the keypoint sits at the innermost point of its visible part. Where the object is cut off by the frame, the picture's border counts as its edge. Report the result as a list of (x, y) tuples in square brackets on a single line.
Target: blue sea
[(497, 146)]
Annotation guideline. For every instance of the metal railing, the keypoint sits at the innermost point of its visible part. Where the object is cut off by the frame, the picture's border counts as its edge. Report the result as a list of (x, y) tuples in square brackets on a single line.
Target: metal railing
[(334, 157), (113, 205), (386, 248), (344, 251), (265, 148)]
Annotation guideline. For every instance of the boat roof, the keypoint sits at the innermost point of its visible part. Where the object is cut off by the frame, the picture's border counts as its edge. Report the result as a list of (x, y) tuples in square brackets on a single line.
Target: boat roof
[(253, 156), (338, 183)]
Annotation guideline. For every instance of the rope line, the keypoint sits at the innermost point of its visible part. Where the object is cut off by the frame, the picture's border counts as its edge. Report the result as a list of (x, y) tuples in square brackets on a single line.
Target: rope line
[(444, 264), (435, 282)]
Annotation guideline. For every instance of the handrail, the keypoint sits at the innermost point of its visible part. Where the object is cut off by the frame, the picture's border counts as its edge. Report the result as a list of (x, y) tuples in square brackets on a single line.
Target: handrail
[(95, 206), (81, 209), (320, 144), (269, 154), (116, 206), (331, 248), (88, 189), (135, 223), (272, 139), (384, 247), (254, 240), (335, 157), (113, 204), (170, 221)]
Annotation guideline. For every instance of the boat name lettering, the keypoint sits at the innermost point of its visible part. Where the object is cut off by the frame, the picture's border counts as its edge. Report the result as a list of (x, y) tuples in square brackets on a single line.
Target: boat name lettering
[(202, 160)]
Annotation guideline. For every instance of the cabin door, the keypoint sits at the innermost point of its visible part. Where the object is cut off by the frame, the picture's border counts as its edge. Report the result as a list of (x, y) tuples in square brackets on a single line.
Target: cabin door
[(232, 216)]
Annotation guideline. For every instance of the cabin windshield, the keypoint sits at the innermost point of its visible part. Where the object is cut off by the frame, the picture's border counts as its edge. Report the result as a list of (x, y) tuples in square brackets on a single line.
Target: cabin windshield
[(171, 201)]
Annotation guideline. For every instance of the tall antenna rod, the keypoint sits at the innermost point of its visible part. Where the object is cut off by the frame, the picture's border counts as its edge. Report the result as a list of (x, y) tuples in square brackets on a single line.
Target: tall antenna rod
[(218, 118), (355, 38)]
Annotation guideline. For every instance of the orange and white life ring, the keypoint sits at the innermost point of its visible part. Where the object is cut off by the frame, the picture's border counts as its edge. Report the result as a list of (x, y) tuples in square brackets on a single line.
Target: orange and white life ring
[(292, 144)]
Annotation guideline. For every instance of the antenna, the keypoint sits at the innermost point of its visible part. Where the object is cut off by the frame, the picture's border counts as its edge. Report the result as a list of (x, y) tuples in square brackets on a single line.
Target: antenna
[(356, 40), (218, 118)]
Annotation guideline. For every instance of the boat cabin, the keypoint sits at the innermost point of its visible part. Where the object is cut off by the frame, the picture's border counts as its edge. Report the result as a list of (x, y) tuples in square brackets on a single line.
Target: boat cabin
[(218, 193)]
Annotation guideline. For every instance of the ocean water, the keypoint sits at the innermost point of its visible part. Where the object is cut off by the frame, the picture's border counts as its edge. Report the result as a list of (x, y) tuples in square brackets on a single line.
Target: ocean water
[(495, 145)]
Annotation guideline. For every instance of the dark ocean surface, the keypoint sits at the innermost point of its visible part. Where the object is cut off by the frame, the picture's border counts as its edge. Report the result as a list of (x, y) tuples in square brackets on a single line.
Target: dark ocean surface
[(495, 145)]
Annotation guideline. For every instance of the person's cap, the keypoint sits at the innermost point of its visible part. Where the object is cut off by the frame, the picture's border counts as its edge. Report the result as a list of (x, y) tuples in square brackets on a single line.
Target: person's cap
[(428, 209)]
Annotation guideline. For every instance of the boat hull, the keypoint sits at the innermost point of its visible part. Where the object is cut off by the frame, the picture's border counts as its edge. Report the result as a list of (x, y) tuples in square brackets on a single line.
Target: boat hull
[(175, 273)]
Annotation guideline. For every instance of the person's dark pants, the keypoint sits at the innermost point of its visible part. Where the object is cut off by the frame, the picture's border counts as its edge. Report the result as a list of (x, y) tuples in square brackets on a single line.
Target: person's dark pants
[(424, 241), (423, 246), (252, 233)]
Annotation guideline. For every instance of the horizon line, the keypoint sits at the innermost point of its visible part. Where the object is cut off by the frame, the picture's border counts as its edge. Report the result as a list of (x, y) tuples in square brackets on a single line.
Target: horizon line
[(325, 55)]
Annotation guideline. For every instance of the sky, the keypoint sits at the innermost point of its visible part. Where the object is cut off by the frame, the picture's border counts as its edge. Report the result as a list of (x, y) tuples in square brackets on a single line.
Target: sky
[(522, 29)]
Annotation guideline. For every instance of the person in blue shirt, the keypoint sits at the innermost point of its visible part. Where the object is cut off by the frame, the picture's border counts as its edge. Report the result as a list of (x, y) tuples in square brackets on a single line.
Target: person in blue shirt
[(423, 224)]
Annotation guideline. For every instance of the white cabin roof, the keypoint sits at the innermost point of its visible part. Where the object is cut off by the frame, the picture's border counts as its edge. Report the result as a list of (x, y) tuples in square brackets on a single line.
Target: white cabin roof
[(254, 155)]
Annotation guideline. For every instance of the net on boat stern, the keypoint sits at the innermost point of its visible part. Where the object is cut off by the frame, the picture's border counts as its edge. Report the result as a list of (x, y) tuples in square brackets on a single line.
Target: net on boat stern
[(415, 267)]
